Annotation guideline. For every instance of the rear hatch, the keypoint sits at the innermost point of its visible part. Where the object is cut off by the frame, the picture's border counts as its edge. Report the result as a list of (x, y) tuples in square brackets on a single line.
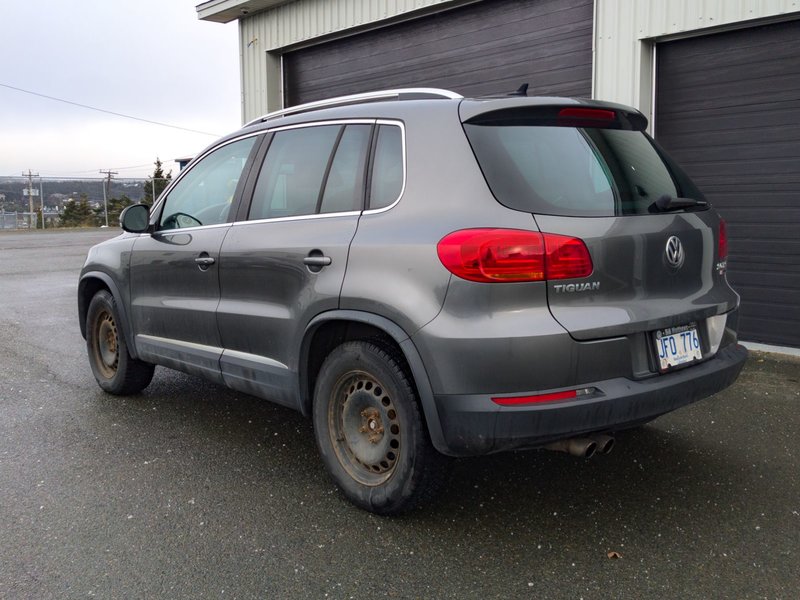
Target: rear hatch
[(587, 169)]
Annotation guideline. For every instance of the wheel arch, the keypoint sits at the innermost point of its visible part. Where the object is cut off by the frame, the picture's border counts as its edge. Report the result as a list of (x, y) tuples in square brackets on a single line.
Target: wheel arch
[(330, 329), (92, 282)]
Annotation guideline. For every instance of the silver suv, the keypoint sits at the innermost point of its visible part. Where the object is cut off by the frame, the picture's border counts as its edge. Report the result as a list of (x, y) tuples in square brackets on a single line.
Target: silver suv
[(426, 276)]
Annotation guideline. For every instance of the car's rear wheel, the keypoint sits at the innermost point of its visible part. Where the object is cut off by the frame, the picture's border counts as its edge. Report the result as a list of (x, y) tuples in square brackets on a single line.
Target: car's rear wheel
[(115, 370), (370, 431)]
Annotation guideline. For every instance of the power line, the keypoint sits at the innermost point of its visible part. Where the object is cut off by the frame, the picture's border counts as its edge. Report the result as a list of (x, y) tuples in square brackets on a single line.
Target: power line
[(109, 112)]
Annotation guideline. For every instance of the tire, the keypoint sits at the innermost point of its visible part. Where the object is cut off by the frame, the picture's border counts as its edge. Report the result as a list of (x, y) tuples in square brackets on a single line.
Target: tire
[(370, 431), (112, 365)]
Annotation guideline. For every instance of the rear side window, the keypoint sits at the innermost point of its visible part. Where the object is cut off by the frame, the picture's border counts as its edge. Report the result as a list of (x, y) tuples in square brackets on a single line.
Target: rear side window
[(387, 167), (315, 169), (292, 174), (344, 185), (571, 171)]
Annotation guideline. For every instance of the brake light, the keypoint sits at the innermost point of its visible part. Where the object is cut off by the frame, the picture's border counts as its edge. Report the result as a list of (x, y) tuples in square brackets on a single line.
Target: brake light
[(587, 114), (512, 255), (722, 248)]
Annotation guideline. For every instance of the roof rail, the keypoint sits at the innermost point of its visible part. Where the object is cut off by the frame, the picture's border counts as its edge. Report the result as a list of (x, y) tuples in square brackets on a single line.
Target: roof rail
[(382, 95)]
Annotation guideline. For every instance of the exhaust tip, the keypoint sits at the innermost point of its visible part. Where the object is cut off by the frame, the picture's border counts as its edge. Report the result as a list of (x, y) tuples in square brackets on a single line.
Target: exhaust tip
[(582, 447), (590, 450), (605, 443)]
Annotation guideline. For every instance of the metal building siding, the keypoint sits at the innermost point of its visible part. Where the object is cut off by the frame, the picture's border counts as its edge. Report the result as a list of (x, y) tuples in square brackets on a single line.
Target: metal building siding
[(727, 109), (302, 21), (625, 29), (477, 49)]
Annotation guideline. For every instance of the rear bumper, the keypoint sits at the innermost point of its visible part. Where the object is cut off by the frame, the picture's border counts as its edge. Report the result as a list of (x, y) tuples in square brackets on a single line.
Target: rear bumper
[(473, 424)]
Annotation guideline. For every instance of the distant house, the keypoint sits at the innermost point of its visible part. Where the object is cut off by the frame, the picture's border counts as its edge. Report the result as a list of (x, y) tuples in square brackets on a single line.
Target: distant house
[(182, 162)]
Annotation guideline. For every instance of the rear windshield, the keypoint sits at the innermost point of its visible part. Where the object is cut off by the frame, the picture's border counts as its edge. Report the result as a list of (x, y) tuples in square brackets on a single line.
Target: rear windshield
[(573, 171)]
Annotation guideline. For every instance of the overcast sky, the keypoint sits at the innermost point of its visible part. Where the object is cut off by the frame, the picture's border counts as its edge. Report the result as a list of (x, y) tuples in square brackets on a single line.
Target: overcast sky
[(151, 59)]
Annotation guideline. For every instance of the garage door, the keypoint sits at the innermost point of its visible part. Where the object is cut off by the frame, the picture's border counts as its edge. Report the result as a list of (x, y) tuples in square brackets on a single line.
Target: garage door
[(728, 109), (488, 47)]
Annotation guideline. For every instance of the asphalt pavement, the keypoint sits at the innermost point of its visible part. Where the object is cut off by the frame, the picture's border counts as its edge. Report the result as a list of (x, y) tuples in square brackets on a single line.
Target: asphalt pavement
[(189, 490)]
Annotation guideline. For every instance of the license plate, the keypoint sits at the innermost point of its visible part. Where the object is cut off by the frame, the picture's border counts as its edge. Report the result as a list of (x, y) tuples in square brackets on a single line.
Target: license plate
[(677, 346)]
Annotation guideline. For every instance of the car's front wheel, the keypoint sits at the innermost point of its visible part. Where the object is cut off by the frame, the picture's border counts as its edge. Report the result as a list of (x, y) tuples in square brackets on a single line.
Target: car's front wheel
[(370, 431), (115, 370)]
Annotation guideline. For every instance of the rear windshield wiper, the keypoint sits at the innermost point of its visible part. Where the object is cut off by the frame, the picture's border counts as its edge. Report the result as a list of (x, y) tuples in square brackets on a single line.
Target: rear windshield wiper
[(666, 203)]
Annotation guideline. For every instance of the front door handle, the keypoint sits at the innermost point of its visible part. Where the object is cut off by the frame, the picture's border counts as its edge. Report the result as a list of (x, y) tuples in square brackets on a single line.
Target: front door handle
[(204, 261)]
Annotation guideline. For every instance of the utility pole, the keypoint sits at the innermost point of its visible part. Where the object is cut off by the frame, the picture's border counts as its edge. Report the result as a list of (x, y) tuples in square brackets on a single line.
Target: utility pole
[(30, 177), (41, 199), (107, 191)]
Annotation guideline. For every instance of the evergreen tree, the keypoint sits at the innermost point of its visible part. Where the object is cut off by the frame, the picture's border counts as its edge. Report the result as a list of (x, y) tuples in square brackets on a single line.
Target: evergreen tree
[(78, 214), (115, 207), (157, 181)]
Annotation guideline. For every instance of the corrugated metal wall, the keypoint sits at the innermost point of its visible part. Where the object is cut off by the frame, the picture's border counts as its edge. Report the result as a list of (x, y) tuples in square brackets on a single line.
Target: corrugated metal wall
[(294, 23), (478, 49), (624, 30), (306, 19)]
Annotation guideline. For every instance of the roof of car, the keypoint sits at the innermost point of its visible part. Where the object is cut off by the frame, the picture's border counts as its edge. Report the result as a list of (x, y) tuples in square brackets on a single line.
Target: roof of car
[(388, 103)]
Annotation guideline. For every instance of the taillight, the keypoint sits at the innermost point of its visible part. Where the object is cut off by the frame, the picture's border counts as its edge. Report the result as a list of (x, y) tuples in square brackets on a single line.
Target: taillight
[(577, 116), (567, 257), (512, 255), (722, 248), (589, 114)]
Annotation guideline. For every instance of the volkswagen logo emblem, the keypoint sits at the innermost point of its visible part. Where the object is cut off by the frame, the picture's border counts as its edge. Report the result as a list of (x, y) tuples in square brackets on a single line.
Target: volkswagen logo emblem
[(675, 254)]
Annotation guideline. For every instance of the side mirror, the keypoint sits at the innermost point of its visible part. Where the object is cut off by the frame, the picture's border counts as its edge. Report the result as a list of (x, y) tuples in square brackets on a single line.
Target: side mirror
[(135, 218)]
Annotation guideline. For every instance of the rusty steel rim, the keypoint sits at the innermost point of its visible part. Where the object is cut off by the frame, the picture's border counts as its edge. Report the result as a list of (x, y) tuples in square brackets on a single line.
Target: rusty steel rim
[(106, 344), (364, 428)]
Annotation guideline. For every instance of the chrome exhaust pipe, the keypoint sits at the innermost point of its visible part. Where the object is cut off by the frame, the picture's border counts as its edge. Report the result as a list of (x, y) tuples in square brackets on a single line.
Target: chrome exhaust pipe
[(582, 447), (605, 443)]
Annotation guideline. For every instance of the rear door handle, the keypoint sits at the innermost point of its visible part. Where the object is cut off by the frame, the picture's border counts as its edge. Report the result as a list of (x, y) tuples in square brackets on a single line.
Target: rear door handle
[(317, 261)]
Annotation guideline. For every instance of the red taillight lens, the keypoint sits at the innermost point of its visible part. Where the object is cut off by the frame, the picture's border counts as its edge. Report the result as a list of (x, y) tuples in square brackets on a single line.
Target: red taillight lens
[(512, 255), (521, 400), (567, 257), (722, 249), (587, 114), (551, 397), (493, 254)]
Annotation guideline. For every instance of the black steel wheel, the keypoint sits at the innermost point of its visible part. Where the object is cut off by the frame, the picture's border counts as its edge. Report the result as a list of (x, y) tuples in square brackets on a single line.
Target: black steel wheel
[(370, 431), (112, 365)]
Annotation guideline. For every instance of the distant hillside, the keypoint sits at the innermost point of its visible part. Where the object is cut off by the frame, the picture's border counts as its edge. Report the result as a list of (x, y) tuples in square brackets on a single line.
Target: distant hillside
[(58, 191)]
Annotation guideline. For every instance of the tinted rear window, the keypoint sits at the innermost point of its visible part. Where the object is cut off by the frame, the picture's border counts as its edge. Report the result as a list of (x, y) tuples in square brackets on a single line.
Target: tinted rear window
[(573, 171)]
